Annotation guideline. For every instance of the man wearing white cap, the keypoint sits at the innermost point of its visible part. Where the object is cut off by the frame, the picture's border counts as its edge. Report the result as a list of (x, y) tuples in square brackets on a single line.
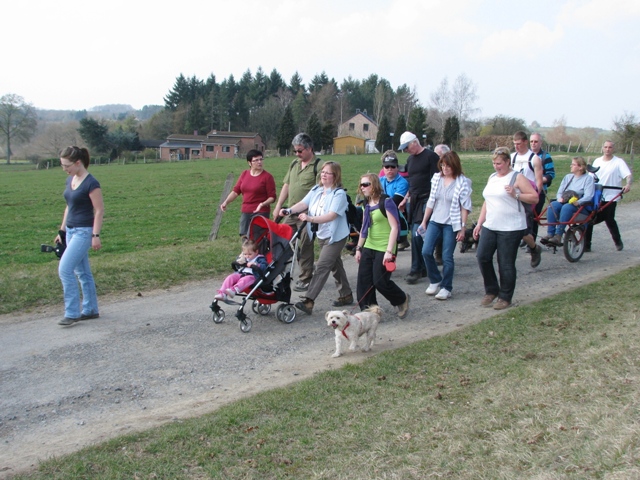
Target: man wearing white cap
[(422, 164)]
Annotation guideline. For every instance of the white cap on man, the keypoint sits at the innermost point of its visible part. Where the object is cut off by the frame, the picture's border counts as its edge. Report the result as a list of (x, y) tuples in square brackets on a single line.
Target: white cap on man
[(405, 139)]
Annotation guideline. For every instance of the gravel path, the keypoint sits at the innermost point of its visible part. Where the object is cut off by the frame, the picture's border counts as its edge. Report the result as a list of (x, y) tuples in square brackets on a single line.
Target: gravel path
[(157, 357)]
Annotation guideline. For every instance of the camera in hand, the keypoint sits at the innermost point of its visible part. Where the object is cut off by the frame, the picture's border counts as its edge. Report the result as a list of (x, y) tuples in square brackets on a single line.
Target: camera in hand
[(59, 247)]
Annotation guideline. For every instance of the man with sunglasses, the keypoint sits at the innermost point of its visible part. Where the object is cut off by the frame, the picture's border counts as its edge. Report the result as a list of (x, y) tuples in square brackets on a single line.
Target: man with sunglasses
[(299, 180), (422, 164), (396, 187)]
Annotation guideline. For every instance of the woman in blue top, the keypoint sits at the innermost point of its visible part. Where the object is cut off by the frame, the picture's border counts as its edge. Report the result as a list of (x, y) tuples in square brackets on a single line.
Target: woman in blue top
[(82, 222), (324, 210), (563, 209)]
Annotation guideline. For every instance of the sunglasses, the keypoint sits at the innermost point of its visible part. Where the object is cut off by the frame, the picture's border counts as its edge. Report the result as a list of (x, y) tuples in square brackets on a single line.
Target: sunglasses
[(365, 184), (390, 166), (298, 151)]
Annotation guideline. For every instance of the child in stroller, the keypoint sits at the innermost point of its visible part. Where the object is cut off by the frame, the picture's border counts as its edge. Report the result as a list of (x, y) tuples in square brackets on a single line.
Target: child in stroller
[(249, 266), (273, 244)]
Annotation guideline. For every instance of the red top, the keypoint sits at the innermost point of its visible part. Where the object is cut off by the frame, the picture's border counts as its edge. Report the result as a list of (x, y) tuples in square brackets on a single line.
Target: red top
[(255, 190)]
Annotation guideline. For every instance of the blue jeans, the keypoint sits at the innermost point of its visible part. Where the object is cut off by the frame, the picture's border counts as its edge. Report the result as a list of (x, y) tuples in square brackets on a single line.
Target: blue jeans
[(563, 210), (435, 233), (417, 243), (75, 263), (506, 244)]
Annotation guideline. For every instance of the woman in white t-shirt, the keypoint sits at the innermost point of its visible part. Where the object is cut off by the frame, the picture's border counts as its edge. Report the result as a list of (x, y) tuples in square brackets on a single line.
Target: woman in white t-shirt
[(500, 228)]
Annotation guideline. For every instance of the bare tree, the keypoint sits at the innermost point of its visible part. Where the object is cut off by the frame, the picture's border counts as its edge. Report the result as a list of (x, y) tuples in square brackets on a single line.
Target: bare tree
[(405, 100), (18, 120), (440, 105), (56, 136), (464, 97), (382, 99)]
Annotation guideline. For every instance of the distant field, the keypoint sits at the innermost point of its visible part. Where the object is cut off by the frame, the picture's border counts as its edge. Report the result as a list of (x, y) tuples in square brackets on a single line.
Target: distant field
[(157, 220)]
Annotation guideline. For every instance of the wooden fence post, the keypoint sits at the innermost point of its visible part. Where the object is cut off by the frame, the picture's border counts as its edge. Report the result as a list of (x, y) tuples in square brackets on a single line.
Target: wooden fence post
[(218, 220)]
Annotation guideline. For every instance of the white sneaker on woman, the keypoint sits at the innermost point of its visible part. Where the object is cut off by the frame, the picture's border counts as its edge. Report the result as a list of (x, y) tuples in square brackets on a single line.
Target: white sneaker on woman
[(432, 289), (443, 294)]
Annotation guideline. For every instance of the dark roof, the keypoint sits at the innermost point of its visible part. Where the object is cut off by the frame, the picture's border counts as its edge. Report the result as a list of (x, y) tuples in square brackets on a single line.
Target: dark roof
[(364, 115), (151, 143), (217, 134)]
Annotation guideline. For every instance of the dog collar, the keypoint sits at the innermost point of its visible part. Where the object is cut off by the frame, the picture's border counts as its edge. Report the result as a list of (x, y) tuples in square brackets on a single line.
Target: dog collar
[(343, 330)]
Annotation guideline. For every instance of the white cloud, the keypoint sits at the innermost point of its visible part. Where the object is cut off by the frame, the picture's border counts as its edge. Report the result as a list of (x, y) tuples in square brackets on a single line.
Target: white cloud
[(599, 14), (528, 40)]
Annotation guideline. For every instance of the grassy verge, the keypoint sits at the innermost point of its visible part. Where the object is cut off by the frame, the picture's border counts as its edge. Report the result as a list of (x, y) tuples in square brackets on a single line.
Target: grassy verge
[(548, 390), (154, 214)]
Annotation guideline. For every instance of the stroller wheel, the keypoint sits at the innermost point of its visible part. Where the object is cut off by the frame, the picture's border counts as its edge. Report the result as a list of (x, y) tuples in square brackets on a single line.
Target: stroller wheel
[(218, 315), (286, 313), (245, 325), (260, 308)]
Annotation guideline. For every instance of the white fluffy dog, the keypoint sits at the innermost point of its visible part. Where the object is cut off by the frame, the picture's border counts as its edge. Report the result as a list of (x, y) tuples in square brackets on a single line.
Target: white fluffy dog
[(349, 327)]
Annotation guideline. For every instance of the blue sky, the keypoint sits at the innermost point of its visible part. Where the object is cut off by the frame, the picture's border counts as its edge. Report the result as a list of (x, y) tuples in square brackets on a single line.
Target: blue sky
[(534, 60)]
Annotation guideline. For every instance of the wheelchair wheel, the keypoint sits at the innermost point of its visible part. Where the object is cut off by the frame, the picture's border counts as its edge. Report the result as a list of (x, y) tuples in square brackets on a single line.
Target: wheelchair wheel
[(218, 316), (245, 325), (286, 313), (260, 308), (574, 244)]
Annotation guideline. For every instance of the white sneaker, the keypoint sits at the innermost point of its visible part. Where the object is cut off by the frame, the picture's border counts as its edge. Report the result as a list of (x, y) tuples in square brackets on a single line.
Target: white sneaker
[(433, 289), (221, 297), (231, 292), (443, 294)]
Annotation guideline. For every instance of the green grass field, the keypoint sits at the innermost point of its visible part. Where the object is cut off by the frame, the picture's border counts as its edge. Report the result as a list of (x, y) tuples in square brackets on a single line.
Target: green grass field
[(157, 221)]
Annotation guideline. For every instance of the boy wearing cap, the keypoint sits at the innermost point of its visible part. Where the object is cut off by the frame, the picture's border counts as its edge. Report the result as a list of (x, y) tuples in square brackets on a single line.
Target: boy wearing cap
[(396, 187), (422, 164)]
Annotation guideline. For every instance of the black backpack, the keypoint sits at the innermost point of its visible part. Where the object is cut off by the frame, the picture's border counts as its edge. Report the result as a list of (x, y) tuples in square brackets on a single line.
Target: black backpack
[(353, 214)]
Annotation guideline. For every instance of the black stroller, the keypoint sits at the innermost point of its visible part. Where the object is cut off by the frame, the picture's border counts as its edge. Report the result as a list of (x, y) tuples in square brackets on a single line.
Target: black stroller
[(274, 241)]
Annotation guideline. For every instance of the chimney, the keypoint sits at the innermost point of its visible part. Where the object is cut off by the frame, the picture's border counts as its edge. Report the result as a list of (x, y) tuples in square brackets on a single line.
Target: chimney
[(195, 132), (357, 111)]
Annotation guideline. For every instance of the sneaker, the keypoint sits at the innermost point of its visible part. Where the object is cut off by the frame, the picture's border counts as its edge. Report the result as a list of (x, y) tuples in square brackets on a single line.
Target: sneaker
[(587, 249), (556, 240), (546, 238), (443, 294), (301, 286), (487, 300), (536, 256), (89, 316), (403, 245), (404, 307), (305, 305), (501, 304), (230, 292), (221, 297), (342, 301), (432, 289), (412, 278), (619, 246), (67, 321)]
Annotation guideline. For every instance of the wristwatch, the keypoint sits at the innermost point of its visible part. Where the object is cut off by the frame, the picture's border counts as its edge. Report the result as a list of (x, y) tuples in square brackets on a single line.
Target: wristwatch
[(463, 225)]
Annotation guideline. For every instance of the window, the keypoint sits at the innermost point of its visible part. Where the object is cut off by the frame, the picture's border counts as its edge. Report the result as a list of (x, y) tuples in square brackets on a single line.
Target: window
[(195, 153), (209, 148), (352, 127), (226, 148), (365, 127)]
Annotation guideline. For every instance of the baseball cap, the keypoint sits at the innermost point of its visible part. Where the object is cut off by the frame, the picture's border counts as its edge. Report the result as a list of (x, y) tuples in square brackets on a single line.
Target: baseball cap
[(390, 159), (405, 139)]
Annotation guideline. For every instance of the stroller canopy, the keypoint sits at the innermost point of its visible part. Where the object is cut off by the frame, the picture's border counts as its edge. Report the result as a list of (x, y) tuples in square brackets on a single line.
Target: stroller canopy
[(271, 238)]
